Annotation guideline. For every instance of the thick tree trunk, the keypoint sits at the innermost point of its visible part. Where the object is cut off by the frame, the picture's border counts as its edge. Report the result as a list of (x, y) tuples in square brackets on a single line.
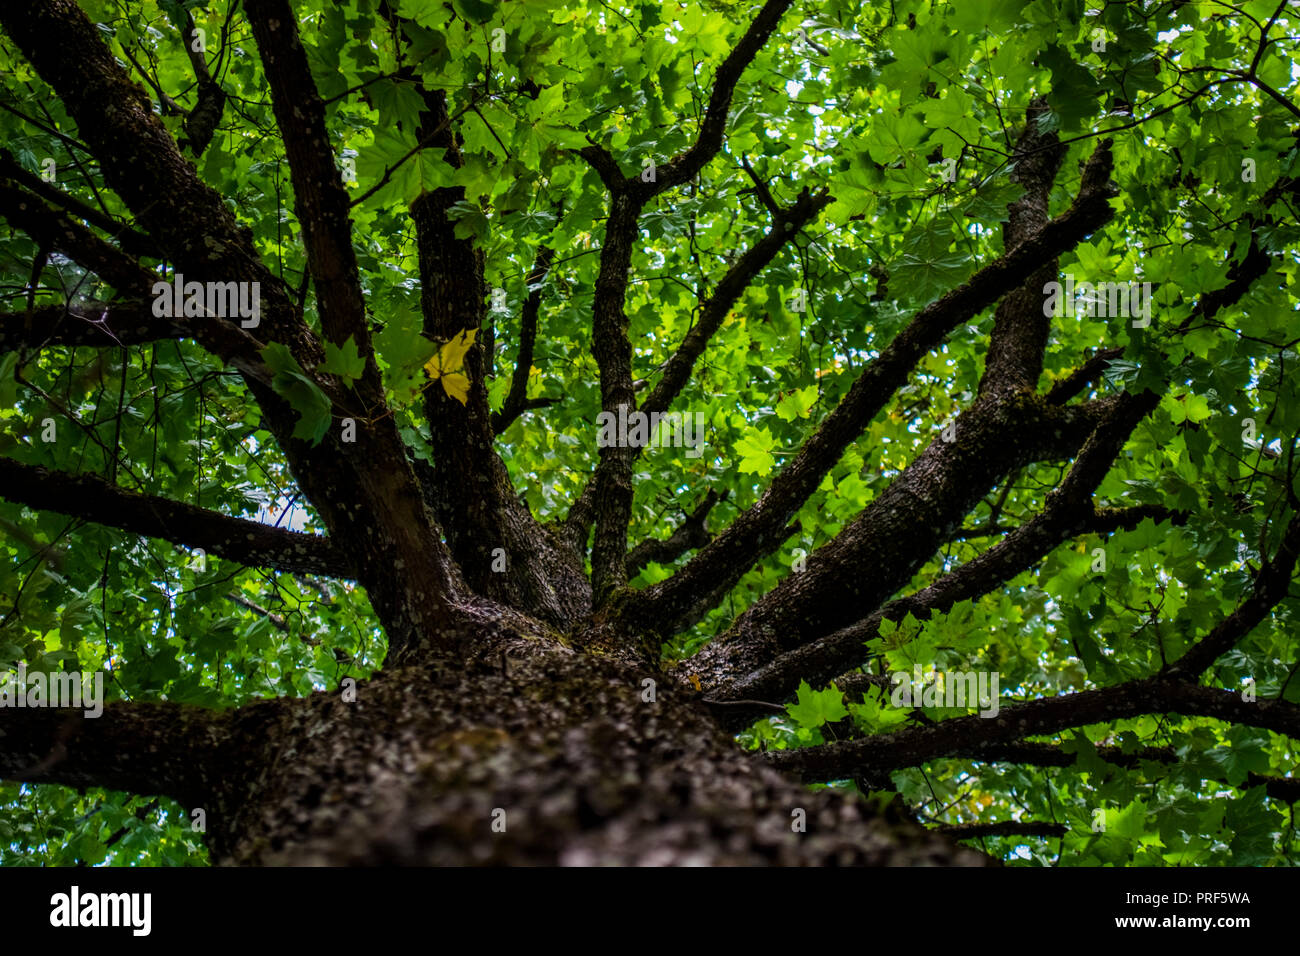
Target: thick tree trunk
[(560, 747)]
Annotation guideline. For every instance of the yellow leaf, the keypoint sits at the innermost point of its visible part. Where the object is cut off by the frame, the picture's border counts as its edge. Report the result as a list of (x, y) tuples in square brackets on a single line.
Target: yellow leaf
[(456, 385), (447, 364)]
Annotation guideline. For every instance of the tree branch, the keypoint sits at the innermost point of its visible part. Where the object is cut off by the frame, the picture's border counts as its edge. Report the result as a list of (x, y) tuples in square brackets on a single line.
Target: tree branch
[(320, 198), (364, 490), (685, 165), (677, 369), (612, 488), (250, 543), (1019, 337), (188, 220), (481, 513), (1067, 511), (134, 746), (87, 323), (201, 122), (691, 533), (963, 735), (1003, 828), (1270, 587), (612, 484), (227, 340), (131, 240), (516, 399), (786, 224), (50, 226), (689, 593), (1087, 373)]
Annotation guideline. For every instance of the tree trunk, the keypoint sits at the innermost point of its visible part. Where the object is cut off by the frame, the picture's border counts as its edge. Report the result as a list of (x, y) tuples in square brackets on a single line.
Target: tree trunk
[(517, 749)]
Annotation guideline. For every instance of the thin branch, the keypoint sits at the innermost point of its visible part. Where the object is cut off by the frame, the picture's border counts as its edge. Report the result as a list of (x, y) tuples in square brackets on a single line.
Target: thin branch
[(1269, 588), (201, 122), (131, 240), (691, 533), (677, 370), (45, 224), (1003, 828), (1050, 715), (685, 165), (1087, 373), (516, 399)]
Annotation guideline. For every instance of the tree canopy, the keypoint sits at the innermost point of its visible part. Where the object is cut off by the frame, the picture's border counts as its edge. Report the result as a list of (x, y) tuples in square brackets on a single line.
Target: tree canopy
[(825, 231)]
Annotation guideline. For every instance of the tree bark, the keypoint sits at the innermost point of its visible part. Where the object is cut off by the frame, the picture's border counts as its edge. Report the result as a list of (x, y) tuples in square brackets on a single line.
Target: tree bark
[(415, 770)]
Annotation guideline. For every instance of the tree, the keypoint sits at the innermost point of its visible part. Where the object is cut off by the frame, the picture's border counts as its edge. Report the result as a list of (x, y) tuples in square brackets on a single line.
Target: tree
[(562, 432)]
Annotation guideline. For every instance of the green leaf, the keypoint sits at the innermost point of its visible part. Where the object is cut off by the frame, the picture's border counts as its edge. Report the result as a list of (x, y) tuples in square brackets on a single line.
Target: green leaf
[(344, 361), (797, 404), (305, 397), (754, 448), (815, 708)]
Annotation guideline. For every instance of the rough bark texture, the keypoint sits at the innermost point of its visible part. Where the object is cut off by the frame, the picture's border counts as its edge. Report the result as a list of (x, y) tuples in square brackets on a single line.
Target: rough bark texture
[(586, 771)]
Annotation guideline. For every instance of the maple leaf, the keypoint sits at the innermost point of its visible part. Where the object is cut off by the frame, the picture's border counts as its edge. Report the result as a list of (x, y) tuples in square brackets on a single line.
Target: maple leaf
[(446, 366)]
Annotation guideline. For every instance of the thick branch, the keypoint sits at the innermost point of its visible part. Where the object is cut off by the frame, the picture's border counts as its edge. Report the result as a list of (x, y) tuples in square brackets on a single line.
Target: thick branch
[(612, 484), (681, 599), (225, 339), (320, 198), (484, 518), (134, 746), (1015, 355), (251, 543), (1068, 510), (88, 323)]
